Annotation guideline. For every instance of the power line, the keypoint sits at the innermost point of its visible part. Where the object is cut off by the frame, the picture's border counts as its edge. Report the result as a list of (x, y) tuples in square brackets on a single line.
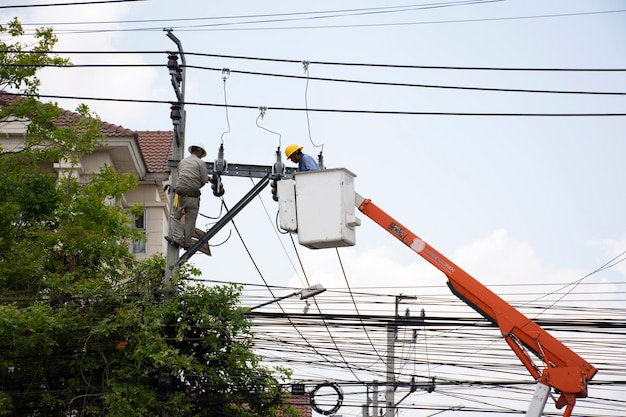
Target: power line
[(352, 12), (372, 25), (334, 342), (212, 27), (307, 16), (330, 63), (338, 80), (19, 6), (399, 66), (325, 357), (346, 111), (390, 84)]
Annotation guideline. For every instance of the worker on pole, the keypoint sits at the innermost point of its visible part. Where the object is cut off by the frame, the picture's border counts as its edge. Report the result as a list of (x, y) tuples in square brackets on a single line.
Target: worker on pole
[(192, 176)]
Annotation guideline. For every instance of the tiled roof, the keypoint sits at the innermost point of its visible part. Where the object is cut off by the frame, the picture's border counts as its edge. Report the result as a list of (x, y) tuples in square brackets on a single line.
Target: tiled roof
[(6, 98), (67, 118), (156, 148)]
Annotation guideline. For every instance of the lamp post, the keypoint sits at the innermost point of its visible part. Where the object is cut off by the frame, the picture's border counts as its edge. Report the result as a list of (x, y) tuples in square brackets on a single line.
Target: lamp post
[(304, 293)]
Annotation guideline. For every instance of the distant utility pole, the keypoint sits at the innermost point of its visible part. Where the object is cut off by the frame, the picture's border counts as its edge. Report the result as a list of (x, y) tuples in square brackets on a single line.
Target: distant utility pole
[(371, 400), (178, 116), (392, 337)]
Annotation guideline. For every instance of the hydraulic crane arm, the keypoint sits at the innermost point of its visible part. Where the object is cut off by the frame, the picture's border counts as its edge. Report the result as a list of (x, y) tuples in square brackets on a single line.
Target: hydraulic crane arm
[(563, 369)]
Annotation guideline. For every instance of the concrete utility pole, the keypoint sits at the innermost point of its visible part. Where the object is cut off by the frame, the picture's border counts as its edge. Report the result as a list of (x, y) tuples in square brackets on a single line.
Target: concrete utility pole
[(392, 337), (375, 398), (178, 116), (390, 387)]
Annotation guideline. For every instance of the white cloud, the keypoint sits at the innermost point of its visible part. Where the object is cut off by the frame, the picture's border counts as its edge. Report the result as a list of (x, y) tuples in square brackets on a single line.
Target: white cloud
[(493, 260), (373, 268), (105, 82), (498, 259)]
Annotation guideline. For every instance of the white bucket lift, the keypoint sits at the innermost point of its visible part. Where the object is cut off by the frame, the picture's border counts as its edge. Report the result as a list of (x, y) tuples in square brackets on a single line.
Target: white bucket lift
[(319, 207)]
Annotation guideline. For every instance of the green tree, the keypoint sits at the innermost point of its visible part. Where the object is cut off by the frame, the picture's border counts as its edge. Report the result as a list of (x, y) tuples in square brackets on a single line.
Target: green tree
[(84, 328)]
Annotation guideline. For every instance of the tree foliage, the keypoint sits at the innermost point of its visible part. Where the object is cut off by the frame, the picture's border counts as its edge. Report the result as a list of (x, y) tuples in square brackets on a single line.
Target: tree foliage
[(85, 329)]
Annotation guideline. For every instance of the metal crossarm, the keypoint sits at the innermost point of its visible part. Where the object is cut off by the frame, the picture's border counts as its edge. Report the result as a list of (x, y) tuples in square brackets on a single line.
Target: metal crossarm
[(243, 170)]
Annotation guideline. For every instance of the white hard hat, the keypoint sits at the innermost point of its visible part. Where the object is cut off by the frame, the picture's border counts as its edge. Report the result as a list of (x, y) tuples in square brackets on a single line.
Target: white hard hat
[(199, 147)]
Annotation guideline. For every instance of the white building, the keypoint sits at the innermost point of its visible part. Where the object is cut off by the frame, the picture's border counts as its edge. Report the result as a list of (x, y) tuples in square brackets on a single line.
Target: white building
[(143, 153)]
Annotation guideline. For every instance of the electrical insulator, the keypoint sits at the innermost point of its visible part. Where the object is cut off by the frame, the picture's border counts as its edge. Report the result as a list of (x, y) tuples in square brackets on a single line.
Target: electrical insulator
[(217, 186), (172, 63), (175, 114), (220, 163), (431, 386), (278, 167), (320, 161), (274, 186)]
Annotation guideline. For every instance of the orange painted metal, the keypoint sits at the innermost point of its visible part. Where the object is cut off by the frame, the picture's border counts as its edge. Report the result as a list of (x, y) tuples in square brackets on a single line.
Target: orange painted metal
[(563, 369)]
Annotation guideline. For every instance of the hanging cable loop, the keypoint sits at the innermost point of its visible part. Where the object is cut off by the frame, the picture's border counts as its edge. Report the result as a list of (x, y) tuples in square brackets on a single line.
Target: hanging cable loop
[(339, 401), (225, 75), (262, 111), (320, 158)]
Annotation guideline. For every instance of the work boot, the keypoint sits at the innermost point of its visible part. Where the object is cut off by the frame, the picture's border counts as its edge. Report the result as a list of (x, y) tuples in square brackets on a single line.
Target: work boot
[(172, 242)]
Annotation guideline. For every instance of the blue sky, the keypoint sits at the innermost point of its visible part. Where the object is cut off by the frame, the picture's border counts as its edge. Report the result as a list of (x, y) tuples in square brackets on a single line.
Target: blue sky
[(512, 199)]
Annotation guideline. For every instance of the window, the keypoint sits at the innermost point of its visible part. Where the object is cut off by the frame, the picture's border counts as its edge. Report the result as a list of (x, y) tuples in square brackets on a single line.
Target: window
[(140, 223)]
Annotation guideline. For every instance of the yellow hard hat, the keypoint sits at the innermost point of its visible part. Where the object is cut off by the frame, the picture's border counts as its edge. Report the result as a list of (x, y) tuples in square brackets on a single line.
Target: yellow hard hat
[(290, 149)]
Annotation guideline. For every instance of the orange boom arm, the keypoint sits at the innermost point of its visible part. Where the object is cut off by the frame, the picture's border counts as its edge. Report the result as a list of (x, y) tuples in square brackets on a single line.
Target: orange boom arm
[(563, 369)]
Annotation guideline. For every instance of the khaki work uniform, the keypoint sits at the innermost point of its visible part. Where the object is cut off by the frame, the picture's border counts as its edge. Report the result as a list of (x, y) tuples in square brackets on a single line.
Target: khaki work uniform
[(192, 175)]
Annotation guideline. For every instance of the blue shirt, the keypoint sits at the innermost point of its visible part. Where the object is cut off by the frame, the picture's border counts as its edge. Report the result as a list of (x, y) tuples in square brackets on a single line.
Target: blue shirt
[(307, 163)]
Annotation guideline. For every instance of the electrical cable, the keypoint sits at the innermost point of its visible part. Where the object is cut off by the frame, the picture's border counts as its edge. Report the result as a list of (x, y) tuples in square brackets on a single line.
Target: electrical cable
[(320, 310), (344, 13), (276, 231), (346, 111), (265, 282), (412, 85), (225, 76), (379, 25), (462, 342), (356, 308), (216, 27), (262, 111), (609, 264), (471, 361), (330, 63), (20, 6), (201, 27), (364, 82), (306, 64), (347, 81)]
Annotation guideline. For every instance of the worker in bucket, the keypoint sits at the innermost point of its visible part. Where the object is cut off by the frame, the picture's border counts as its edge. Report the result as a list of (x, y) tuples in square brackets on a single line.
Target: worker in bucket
[(192, 175), (305, 162)]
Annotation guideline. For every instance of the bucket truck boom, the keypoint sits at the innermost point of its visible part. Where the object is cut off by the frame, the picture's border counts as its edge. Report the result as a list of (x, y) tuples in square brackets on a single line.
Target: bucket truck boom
[(563, 370)]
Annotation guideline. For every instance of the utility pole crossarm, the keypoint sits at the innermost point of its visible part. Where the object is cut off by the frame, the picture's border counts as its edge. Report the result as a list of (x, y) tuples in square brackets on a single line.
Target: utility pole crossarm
[(243, 170)]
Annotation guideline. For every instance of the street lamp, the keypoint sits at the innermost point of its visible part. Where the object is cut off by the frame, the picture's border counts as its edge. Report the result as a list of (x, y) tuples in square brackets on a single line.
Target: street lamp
[(304, 293)]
